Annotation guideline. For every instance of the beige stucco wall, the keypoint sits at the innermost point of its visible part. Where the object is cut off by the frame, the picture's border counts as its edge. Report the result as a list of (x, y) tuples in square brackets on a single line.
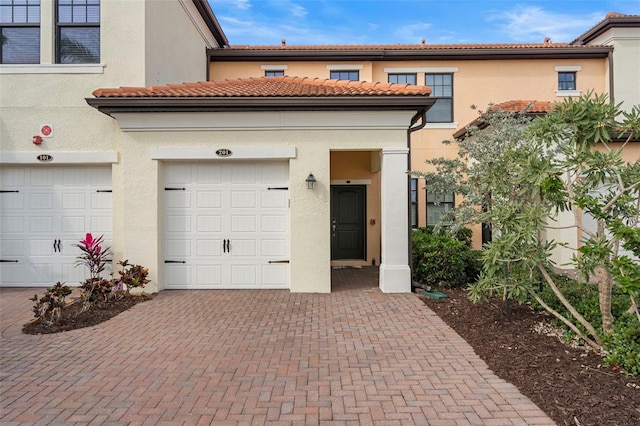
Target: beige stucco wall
[(626, 63), (475, 82), (141, 185)]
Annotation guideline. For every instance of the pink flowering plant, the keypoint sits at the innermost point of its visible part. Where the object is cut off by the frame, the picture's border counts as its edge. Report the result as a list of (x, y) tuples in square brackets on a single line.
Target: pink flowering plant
[(95, 257)]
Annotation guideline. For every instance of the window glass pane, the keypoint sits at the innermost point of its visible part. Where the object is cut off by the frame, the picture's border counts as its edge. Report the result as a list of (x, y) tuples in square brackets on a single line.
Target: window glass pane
[(435, 212), (21, 45), (19, 14), (5, 14), (79, 45), (441, 111), (344, 75), (93, 14), (276, 73), (64, 14), (33, 14), (79, 14), (402, 78)]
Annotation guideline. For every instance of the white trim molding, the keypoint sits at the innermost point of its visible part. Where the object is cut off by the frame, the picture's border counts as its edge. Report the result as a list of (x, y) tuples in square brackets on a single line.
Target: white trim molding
[(430, 70), (345, 67), (230, 153), (58, 157), (567, 93), (52, 68), (452, 125), (274, 67), (568, 68)]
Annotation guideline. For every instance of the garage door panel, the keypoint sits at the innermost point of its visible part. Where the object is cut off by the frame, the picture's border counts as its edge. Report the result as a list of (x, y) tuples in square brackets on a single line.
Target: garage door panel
[(243, 275), (101, 225), (11, 200), (274, 223), (41, 274), (73, 274), (101, 200), (243, 174), (12, 225), (41, 224), (177, 199), (73, 201), (208, 175), (274, 248), (12, 274), (42, 247), (74, 224), (178, 224), (42, 201), (209, 248), (274, 276), (243, 199), (41, 177), (209, 199), (209, 276), (245, 223), (178, 275), (211, 223), (275, 173), (273, 199), (13, 248), (178, 248)]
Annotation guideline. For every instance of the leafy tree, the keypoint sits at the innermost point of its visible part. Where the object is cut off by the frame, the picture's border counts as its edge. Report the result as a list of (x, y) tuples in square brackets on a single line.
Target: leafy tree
[(528, 175)]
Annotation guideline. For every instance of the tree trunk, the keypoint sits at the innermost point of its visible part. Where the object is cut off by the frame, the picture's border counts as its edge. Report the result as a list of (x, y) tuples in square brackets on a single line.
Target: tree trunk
[(605, 284)]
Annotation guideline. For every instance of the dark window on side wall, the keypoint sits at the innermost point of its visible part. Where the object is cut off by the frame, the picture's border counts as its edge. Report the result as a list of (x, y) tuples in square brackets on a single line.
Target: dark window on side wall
[(78, 31), (414, 202), (438, 204), (566, 81), (402, 79), (276, 73), (345, 75), (441, 88), (20, 31)]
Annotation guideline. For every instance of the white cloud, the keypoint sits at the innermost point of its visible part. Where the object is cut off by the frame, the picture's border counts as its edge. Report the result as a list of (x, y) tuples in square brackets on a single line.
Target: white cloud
[(231, 4), (411, 33), (533, 24)]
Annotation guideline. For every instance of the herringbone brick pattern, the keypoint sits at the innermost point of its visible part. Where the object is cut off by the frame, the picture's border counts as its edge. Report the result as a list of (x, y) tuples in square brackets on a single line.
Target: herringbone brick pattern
[(355, 356)]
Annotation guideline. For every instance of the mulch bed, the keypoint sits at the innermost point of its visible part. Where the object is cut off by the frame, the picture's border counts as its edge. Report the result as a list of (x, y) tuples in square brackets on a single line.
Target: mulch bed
[(72, 319), (572, 385)]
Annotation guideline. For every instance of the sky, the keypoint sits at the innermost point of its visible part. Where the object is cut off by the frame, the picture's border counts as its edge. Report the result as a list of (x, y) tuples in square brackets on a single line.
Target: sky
[(305, 22)]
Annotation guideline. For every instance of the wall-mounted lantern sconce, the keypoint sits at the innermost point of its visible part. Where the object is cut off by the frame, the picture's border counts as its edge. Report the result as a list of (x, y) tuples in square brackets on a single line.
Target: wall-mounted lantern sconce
[(311, 181)]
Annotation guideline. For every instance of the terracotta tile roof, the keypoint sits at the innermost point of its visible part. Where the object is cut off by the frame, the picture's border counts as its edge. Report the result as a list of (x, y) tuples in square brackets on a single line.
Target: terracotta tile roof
[(527, 107), (530, 107), (266, 87), (420, 46)]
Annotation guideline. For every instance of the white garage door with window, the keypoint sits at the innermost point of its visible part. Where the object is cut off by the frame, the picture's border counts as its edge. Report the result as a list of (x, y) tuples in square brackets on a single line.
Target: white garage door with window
[(44, 211), (226, 225)]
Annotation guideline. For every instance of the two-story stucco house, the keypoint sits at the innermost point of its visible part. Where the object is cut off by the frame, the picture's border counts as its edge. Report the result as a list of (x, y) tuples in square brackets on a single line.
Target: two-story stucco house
[(605, 59), (222, 166)]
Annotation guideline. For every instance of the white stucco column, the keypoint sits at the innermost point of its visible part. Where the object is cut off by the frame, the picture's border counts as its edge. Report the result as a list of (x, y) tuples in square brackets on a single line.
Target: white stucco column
[(395, 274)]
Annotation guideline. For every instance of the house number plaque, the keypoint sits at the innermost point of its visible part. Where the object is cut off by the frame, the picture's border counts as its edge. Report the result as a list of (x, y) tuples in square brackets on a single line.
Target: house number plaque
[(44, 157), (224, 152)]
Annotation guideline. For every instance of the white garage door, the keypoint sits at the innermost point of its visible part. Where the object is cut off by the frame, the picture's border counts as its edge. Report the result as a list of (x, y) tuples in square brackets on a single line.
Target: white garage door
[(44, 211), (226, 225)]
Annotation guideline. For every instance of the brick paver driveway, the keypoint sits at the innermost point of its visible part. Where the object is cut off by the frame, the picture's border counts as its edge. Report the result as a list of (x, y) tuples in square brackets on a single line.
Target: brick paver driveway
[(355, 356)]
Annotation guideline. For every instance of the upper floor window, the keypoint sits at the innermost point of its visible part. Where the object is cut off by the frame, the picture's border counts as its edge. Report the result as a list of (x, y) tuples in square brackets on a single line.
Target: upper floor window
[(567, 80), (438, 204), (20, 31), (344, 75), (441, 88), (274, 73), (78, 32), (403, 78)]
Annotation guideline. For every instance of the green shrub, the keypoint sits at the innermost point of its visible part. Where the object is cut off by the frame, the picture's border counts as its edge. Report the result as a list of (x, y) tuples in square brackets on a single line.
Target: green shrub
[(443, 261), (623, 345), (48, 308)]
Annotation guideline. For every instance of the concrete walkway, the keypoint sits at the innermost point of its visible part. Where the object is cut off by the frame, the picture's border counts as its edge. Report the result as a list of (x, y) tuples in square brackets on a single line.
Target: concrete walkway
[(355, 356)]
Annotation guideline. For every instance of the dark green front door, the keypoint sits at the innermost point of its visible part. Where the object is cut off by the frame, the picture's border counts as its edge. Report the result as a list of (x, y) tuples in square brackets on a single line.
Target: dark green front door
[(348, 211)]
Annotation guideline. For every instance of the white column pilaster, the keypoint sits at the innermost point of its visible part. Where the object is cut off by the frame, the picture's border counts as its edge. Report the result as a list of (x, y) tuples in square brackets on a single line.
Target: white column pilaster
[(395, 273)]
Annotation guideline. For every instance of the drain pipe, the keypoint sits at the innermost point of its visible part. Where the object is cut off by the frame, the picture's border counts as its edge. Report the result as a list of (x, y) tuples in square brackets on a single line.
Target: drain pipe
[(420, 116)]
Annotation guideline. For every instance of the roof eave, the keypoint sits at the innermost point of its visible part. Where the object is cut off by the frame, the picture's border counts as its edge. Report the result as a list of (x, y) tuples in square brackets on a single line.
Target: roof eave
[(212, 22), (382, 54), (606, 25), (257, 104)]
